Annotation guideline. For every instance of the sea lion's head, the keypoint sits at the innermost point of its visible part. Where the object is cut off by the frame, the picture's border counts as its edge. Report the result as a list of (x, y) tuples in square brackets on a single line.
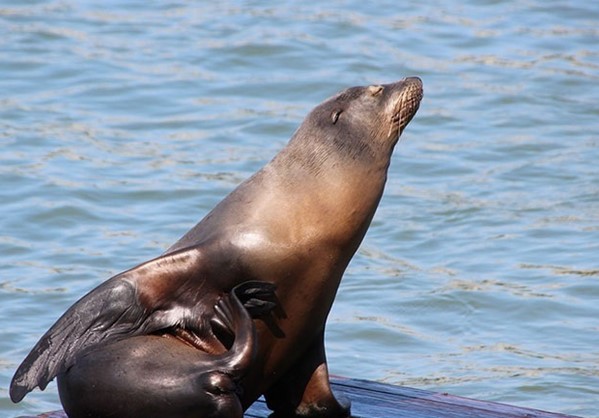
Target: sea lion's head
[(362, 122)]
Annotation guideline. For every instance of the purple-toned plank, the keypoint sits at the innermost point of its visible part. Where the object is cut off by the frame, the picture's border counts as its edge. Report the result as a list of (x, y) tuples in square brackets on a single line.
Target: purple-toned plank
[(373, 400), (380, 400)]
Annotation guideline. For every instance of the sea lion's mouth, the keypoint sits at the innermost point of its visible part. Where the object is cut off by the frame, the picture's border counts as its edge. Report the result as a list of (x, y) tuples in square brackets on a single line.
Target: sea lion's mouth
[(409, 94)]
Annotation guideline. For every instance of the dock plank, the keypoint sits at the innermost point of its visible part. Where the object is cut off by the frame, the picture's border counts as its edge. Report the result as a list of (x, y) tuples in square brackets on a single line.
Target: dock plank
[(373, 400), (380, 400)]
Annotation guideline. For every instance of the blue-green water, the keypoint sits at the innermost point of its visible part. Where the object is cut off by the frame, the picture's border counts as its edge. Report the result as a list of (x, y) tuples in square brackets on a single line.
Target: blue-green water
[(123, 123)]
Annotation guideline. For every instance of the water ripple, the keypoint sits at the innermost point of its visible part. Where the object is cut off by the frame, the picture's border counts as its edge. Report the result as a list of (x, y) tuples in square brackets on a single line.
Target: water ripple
[(122, 124)]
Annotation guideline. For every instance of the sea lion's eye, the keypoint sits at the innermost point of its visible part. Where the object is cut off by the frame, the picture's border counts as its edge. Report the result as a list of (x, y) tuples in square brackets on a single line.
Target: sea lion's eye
[(375, 90), (335, 115)]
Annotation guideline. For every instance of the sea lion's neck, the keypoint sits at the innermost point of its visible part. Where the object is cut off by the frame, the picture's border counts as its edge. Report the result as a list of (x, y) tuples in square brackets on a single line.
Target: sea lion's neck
[(335, 189)]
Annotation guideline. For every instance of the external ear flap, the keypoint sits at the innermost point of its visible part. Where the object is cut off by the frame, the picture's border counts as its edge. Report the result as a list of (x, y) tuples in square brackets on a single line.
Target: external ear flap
[(335, 115), (375, 90)]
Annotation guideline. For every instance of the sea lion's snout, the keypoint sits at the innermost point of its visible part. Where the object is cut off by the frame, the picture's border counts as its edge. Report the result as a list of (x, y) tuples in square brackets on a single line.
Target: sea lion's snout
[(404, 100)]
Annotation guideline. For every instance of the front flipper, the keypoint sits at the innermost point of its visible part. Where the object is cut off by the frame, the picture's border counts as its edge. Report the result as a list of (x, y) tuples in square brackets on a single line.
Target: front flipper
[(304, 391), (131, 303)]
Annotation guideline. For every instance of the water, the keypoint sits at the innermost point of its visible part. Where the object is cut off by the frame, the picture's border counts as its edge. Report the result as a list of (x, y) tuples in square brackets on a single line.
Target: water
[(123, 123)]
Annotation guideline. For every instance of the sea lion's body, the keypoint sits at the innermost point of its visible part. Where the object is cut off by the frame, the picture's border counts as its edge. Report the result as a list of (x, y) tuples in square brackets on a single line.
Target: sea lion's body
[(295, 223)]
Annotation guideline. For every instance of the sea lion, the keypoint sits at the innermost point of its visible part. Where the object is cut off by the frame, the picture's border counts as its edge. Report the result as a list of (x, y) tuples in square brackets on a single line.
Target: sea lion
[(295, 223), (179, 381)]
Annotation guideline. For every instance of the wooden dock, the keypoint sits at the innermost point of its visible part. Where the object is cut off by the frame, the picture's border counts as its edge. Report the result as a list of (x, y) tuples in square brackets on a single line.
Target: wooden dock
[(379, 400)]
